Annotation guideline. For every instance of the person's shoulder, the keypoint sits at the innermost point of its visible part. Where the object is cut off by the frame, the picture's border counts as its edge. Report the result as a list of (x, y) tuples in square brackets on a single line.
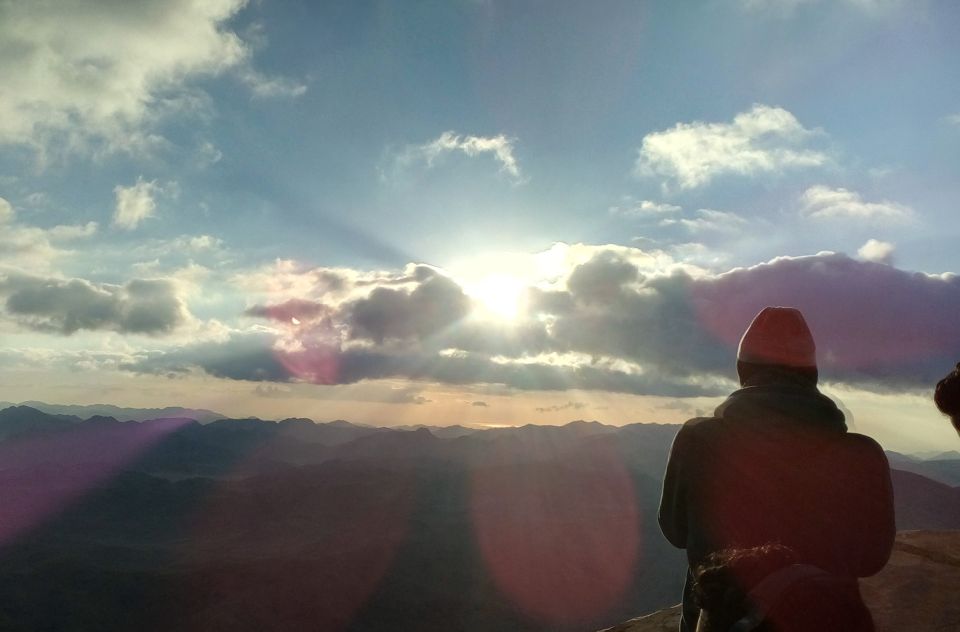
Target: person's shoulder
[(863, 442), (696, 427), (861, 447), (698, 424)]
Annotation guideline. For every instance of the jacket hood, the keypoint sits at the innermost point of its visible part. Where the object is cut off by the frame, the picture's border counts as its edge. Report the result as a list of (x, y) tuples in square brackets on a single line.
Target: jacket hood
[(782, 403)]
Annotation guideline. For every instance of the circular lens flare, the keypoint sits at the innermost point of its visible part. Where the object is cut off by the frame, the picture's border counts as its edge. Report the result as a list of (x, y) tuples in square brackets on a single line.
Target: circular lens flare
[(559, 536)]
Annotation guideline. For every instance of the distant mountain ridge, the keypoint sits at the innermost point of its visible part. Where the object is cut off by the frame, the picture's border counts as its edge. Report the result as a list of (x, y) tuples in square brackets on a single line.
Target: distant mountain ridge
[(84, 411), (941, 467), (172, 524)]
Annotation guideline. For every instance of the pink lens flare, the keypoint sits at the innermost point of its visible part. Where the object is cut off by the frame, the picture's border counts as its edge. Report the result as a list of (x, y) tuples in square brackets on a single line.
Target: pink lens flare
[(309, 350), (42, 476), (316, 364), (561, 537), (296, 550)]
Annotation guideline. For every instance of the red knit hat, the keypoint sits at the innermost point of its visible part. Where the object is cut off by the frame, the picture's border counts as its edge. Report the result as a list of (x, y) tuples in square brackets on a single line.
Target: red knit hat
[(778, 335)]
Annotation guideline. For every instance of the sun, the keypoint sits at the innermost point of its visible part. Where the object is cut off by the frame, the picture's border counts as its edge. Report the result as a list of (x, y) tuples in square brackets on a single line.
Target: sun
[(499, 296)]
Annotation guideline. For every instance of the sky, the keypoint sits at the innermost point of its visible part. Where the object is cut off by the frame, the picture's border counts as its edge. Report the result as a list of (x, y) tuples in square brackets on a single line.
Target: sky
[(476, 211)]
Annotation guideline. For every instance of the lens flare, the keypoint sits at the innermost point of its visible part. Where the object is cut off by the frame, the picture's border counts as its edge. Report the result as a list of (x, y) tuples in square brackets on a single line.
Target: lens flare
[(300, 550), (560, 536), (43, 476)]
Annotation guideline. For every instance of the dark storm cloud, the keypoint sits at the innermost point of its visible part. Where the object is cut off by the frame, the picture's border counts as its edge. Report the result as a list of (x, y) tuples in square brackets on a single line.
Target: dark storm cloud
[(66, 306)]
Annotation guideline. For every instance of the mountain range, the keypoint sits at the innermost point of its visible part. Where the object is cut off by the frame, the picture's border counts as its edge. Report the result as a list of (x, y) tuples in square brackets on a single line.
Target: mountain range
[(245, 524)]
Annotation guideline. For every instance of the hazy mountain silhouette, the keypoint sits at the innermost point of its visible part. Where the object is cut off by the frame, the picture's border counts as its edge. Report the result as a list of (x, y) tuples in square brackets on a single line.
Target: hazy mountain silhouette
[(943, 467), (122, 413), (922, 503), (23, 420), (244, 524)]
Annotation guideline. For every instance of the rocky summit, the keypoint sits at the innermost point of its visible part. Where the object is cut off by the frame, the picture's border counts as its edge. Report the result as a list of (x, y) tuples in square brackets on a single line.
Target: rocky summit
[(915, 591)]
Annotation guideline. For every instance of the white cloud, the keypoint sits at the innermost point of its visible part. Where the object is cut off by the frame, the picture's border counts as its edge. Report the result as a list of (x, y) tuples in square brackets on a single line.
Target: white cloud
[(431, 153), (788, 6), (708, 219), (878, 251), (134, 203), (264, 86), (74, 231), (820, 202), (644, 208), (698, 253), (762, 140), (33, 247), (953, 119), (81, 74), (6, 211), (207, 154)]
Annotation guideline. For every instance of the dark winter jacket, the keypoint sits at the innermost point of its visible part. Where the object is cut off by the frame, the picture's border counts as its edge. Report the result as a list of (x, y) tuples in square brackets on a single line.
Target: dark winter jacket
[(776, 464)]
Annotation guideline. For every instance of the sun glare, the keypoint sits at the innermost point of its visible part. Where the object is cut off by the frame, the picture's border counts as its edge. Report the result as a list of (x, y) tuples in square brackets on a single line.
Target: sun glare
[(500, 296)]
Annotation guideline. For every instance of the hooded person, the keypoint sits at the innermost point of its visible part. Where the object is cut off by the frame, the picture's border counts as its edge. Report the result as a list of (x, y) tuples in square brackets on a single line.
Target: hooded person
[(775, 464)]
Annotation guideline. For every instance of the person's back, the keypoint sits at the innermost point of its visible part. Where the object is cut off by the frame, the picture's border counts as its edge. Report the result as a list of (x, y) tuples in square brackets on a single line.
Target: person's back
[(776, 464)]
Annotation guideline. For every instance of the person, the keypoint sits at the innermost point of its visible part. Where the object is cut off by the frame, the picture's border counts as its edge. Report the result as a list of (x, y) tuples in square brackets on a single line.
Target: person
[(947, 397), (767, 589), (775, 463)]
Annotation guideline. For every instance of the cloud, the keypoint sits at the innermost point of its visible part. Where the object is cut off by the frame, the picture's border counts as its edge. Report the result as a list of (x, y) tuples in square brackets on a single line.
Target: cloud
[(953, 119), (33, 247), (6, 211), (111, 90), (609, 324), (709, 220), (821, 202), (293, 311), (272, 390), (245, 356), (602, 279), (764, 139), (207, 154), (135, 203), (875, 326), (786, 7), (644, 208), (65, 306), (387, 313), (429, 154), (878, 251), (558, 408), (78, 231), (256, 358), (264, 86)]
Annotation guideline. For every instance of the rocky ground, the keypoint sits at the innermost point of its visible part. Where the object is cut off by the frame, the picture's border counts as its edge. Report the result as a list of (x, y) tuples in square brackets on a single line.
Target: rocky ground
[(917, 590)]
